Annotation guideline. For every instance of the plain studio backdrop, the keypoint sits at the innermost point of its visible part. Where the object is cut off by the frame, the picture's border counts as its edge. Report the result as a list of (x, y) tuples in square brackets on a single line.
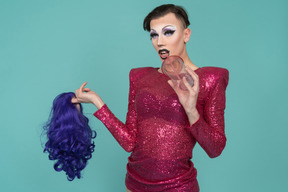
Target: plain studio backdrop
[(50, 47)]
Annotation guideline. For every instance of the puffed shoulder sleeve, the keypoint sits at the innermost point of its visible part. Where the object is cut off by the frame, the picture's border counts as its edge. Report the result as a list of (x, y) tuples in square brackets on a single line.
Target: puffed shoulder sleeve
[(209, 129), (125, 134)]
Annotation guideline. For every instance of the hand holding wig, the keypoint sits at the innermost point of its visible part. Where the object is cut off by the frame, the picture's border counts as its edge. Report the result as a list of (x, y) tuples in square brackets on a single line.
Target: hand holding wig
[(69, 136)]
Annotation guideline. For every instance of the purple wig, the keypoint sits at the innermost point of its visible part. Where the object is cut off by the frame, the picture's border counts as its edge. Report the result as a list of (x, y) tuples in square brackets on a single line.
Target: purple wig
[(69, 136)]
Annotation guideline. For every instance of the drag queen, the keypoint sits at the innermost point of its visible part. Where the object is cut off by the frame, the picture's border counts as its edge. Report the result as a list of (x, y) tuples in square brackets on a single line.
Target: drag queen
[(164, 122)]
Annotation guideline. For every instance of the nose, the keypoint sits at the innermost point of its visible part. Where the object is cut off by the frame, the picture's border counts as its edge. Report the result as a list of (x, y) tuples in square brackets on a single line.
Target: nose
[(160, 41)]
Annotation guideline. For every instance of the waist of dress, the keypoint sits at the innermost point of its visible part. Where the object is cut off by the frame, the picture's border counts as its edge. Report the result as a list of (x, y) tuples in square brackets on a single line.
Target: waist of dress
[(161, 171), (160, 175)]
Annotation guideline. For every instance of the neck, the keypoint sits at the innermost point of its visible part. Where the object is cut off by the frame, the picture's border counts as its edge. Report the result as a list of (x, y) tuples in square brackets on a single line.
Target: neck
[(188, 62)]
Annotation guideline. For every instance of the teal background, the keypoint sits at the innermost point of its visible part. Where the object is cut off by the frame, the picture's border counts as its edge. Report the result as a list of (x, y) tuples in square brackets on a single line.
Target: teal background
[(50, 47)]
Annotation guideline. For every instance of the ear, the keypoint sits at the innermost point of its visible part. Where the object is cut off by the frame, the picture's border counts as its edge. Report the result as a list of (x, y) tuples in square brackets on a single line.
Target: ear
[(187, 33)]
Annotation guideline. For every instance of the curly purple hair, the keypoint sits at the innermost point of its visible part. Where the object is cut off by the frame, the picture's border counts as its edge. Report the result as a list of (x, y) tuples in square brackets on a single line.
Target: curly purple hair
[(69, 136)]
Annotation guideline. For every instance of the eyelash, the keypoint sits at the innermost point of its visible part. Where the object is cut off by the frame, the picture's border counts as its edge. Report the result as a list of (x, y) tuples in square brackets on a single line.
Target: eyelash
[(166, 33), (153, 35), (169, 32)]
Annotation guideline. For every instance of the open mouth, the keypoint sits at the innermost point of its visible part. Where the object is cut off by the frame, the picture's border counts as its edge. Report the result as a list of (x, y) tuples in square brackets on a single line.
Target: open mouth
[(163, 53)]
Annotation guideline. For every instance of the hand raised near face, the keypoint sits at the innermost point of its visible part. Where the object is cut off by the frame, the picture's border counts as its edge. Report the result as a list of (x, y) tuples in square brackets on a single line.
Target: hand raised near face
[(188, 98)]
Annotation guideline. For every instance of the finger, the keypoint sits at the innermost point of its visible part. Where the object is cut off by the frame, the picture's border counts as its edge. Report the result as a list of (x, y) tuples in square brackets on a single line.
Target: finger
[(187, 85), (76, 92), (196, 81), (171, 83), (82, 86), (194, 76), (74, 100), (86, 89)]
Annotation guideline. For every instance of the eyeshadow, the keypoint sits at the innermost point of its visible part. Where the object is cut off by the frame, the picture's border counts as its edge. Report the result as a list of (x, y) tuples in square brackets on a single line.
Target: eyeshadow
[(168, 28)]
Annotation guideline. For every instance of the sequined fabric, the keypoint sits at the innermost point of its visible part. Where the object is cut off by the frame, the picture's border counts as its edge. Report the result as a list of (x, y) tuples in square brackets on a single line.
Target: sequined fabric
[(157, 130)]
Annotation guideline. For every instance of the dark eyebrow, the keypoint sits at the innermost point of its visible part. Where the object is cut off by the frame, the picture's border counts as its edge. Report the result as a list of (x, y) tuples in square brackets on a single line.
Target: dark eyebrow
[(153, 30), (168, 26)]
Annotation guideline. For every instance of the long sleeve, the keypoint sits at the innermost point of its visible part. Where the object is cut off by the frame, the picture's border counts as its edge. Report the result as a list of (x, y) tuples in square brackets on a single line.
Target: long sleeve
[(125, 134), (209, 129)]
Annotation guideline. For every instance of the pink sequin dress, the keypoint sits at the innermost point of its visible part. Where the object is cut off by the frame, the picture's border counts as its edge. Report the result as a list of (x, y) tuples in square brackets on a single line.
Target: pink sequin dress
[(157, 130)]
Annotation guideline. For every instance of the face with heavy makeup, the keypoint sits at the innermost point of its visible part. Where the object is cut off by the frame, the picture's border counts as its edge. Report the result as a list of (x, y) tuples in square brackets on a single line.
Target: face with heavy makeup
[(169, 37)]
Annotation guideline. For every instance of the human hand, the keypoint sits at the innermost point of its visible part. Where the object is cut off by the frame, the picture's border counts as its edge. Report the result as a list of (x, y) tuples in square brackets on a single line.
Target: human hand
[(188, 98), (85, 95)]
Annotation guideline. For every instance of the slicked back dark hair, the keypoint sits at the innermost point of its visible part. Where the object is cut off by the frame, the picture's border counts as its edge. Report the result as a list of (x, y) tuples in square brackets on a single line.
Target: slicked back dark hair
[(162, 10)]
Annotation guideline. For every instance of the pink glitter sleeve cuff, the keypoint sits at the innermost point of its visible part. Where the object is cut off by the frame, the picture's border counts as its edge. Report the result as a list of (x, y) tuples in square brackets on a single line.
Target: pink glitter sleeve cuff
[(100, 113)]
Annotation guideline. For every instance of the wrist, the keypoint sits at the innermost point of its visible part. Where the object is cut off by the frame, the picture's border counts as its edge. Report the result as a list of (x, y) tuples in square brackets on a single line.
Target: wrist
[(193, 116), (98, 103)]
